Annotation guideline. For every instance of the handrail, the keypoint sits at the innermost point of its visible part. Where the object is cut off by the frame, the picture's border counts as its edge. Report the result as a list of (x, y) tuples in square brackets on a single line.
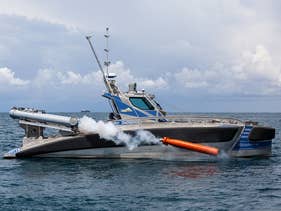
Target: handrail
[(178, 119)]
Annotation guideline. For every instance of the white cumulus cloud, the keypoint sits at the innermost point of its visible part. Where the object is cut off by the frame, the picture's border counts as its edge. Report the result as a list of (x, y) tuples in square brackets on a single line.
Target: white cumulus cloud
[(47, 77), (125, 77), (253, 73), (51, 77), (70, 77), (158, 83), (7, 77)]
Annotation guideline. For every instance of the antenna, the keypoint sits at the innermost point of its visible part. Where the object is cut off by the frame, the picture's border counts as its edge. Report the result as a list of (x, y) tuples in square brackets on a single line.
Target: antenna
[(107, 62), (99, 64)]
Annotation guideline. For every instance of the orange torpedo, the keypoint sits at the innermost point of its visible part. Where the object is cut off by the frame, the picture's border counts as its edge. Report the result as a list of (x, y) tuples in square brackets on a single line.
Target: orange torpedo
[(191, 146)]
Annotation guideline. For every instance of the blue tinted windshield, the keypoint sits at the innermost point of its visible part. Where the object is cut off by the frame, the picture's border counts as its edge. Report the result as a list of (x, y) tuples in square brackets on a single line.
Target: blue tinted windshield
[(141, 103)]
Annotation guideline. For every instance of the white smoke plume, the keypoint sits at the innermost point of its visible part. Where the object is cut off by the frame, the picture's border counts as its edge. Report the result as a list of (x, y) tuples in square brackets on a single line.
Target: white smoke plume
[(109, 131)]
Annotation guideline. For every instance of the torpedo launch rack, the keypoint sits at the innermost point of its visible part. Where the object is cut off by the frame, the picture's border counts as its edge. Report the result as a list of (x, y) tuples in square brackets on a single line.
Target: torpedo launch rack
[(34, 122)]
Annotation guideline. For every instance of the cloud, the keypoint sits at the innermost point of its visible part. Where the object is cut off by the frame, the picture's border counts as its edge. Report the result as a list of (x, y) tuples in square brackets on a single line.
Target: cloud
[(155, 84), (7, 77), (185, 48), (125, 77), (254, 73), (200, 33), (258, 65), (50, 77), (71, 78), (193, 78)]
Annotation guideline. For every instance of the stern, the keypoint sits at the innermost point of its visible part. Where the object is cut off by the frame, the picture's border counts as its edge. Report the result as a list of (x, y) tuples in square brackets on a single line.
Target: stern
[(254, 141)]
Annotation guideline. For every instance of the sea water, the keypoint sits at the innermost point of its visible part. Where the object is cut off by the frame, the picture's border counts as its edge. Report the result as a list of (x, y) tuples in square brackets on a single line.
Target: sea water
[(112, 184)]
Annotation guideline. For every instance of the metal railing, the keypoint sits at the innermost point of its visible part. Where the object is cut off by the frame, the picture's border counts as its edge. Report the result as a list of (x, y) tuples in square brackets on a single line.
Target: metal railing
[(178, 119)]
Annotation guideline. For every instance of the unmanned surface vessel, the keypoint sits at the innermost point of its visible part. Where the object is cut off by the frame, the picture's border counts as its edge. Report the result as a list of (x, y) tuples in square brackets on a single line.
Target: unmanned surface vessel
[(133, 111)]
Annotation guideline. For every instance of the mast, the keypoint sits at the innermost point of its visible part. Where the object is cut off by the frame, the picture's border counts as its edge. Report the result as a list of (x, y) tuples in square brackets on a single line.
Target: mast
[(99, 64), (107, 62)]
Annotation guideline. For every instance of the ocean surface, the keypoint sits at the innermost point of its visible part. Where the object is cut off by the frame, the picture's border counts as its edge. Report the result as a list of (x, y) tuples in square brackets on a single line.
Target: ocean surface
[(109, 184)]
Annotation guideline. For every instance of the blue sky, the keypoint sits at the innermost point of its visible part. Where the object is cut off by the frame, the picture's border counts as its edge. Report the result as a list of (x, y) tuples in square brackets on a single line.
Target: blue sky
[(197, 56)]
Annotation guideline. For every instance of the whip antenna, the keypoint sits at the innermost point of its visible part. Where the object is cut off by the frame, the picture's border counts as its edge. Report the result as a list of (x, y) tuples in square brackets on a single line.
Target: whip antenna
[(99, 64)]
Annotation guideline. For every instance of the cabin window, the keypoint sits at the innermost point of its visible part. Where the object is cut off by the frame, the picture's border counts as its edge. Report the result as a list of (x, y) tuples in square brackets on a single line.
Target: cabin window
[(141, 103)]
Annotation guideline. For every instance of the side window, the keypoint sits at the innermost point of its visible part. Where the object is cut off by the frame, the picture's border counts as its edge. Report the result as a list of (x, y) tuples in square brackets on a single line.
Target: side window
[(141, 103)]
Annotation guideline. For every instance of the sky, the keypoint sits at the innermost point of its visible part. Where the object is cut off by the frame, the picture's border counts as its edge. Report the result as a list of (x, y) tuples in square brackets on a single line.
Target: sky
[(194, 55)]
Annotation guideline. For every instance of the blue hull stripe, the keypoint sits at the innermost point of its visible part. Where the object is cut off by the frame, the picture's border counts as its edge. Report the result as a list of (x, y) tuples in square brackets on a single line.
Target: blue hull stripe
[(245, 144)]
